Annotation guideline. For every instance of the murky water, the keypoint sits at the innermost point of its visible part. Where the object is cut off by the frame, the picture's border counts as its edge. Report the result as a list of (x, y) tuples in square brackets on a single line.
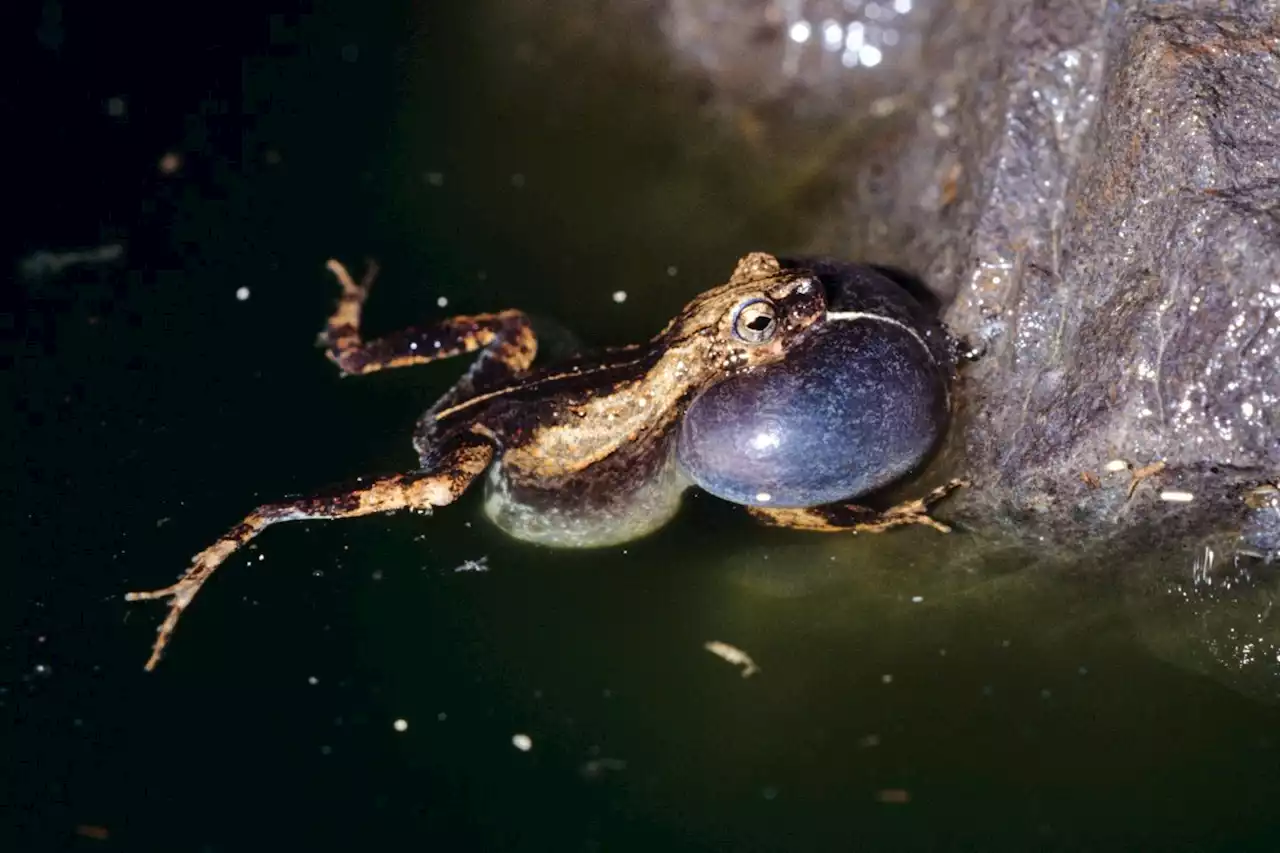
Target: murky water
[(915, 691)]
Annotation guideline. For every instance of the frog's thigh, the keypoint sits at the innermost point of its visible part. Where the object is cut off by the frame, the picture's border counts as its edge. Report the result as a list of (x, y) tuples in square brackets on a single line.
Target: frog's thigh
[(507, 335), (850, 518)]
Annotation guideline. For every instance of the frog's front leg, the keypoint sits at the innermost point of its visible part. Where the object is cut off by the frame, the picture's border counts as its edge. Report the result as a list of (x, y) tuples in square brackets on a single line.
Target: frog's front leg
[(843, 518), (457, 468), (506, 337)]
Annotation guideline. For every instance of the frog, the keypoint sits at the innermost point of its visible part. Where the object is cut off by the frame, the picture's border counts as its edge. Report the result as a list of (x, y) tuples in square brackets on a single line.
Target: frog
[(590, 452)]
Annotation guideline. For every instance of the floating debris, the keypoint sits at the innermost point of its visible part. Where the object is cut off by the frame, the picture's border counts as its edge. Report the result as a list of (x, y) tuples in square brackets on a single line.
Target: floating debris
[(619, 296), (1143, 473), (480, 565), (1177, 497), (400, 725), (242, 294), (522, 742), (597, 767), (733, 655), (1116, 465), (40, 265)]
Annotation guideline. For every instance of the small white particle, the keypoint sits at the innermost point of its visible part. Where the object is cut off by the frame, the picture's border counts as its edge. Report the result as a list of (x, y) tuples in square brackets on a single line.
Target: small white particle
[(1117, 465), (1177, 497), (1246, 409), (313, 680), (800, 32), (733, 655), (886, 679), (400, 725), (764, 497), (673, 271), (443, 301), (242, 293), (522, 742), (916, 599), (619, 296)]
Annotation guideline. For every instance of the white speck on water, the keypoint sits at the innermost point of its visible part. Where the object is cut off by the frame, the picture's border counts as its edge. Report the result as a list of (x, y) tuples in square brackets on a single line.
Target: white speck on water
[(312, 680), (619, 296), (522, 742), (443, 301), (1177, 497), (764, 497), (886, 679), (916, 599), (242, 294), (673, 270), (400, 725)]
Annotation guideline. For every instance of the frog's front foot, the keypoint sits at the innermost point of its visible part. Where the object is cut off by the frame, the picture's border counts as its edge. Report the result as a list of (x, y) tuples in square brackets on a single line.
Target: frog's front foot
[(851, 518), (342, 331)]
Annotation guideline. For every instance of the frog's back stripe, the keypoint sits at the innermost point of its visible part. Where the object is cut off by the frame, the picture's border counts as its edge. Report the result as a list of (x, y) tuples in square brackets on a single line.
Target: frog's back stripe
[(555, 374)]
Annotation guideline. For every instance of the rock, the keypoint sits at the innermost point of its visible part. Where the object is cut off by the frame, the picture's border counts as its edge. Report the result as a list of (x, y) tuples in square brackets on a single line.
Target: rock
[(1096, 189)]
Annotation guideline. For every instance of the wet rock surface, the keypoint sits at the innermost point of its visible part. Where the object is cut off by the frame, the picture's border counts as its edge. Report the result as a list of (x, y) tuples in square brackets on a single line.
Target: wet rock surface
[(1096, 189)]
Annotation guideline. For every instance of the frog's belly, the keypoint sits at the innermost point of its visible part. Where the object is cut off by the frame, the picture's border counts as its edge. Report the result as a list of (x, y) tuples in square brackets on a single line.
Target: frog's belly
[(624, 506)]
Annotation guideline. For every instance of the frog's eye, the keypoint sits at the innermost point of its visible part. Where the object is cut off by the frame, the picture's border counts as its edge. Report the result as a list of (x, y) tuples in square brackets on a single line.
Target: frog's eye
[(755, 321)]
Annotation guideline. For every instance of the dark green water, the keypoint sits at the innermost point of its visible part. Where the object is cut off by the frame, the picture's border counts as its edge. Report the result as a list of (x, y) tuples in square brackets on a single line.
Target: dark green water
[(1013, 708)]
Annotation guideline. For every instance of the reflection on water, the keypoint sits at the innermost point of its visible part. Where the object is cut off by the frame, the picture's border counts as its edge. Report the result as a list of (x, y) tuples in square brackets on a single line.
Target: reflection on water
[(364, 685)]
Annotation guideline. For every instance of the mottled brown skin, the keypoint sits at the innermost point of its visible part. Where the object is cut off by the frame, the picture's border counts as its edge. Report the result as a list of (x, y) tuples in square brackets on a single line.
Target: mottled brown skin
[(581, 438)]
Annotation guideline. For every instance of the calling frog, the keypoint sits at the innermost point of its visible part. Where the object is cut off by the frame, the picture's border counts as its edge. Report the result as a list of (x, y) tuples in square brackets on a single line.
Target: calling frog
[(794, 387)]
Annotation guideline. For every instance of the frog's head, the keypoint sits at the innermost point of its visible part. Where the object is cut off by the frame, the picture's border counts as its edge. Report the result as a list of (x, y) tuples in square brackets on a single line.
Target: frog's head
[(754, 319)]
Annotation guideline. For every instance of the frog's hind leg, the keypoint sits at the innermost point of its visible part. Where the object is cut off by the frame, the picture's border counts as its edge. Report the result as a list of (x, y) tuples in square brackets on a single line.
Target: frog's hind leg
[(506, 337), (419, 490), (850, 518)]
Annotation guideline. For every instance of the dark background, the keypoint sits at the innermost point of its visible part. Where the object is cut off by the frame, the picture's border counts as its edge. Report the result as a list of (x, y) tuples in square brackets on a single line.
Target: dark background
[(496, 161)]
